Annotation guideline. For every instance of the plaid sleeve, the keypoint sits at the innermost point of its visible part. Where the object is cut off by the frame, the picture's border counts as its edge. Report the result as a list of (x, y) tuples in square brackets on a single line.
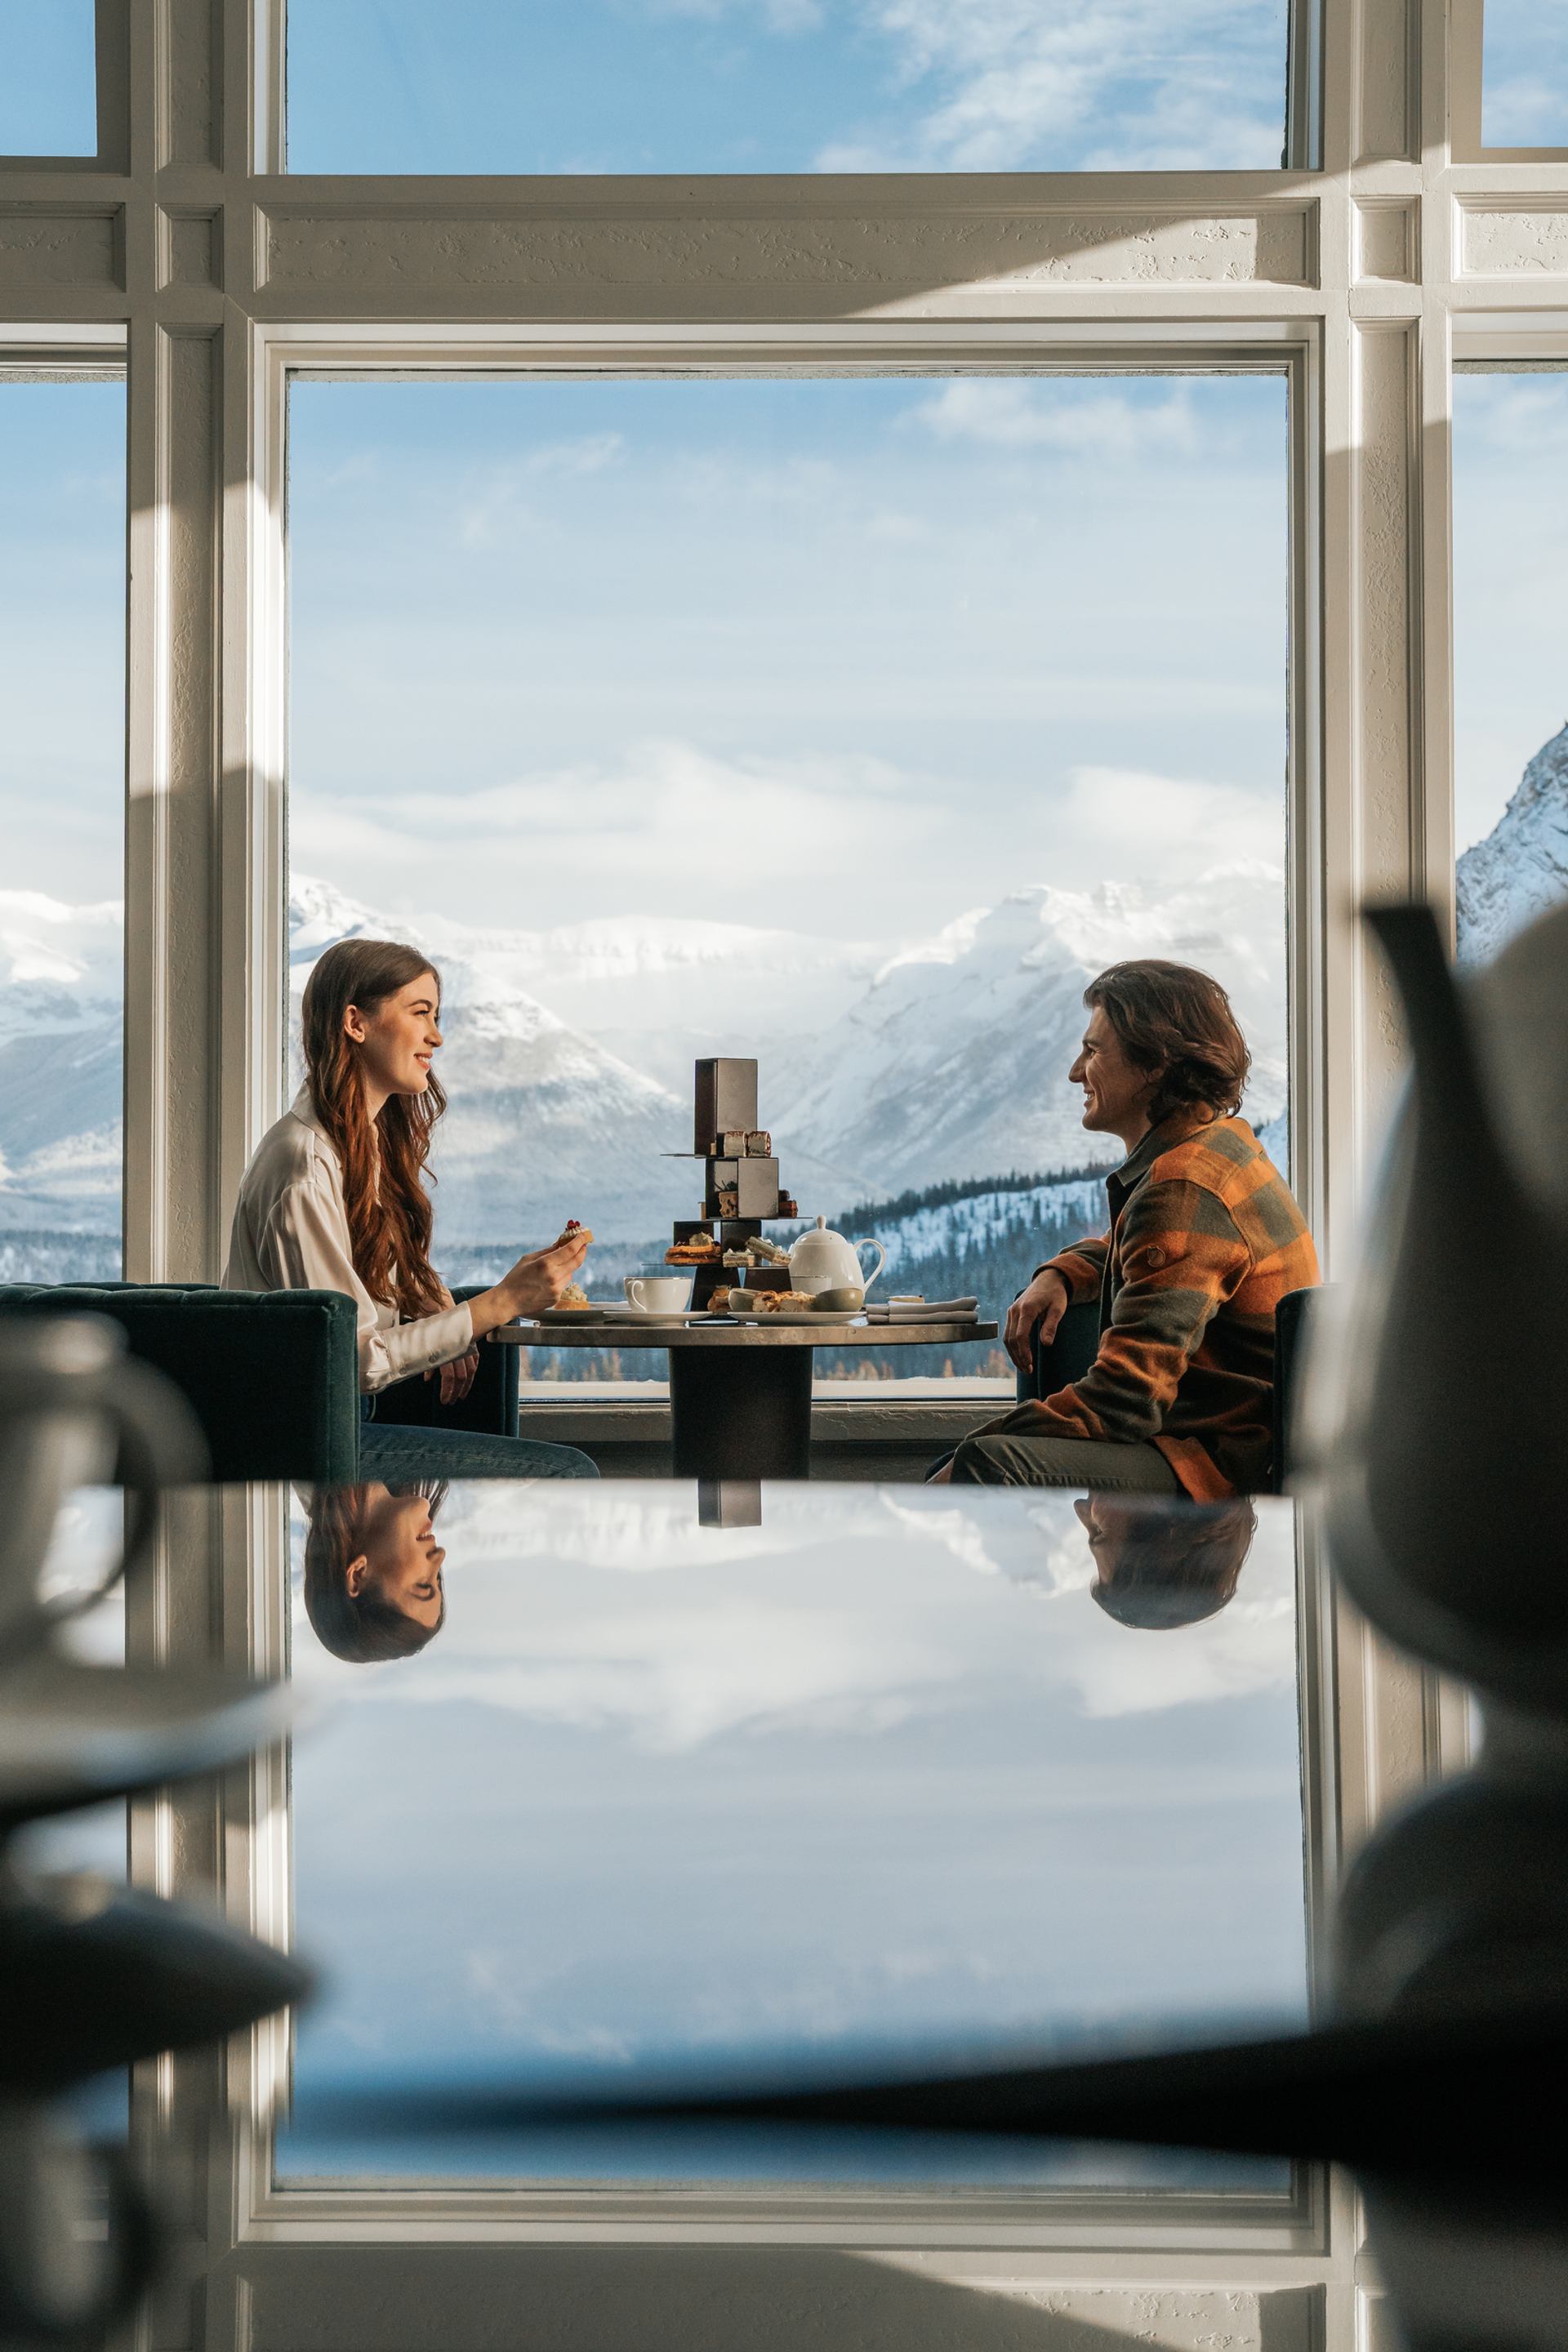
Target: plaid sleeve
[(1080, 1267), (1181, 1256)]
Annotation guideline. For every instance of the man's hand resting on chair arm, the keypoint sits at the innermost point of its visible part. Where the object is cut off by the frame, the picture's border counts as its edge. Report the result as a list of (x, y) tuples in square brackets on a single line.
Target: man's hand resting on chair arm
[(534, 1283), (1044, 1303)]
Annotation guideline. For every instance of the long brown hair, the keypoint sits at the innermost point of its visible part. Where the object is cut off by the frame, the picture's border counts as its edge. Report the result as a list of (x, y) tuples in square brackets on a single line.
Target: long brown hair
[(1177, 1021), (361, 1628), (384, 1165)]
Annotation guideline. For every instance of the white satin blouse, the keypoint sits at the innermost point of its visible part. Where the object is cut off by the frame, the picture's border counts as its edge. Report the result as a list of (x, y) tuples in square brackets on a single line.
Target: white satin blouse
[(291, 1233)]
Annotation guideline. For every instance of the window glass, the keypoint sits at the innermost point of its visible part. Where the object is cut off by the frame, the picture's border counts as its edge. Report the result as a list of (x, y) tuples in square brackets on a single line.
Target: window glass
[(784, 85), (62, 797), (851, 725), (1510, 690), (1524, 80), (48, 77)]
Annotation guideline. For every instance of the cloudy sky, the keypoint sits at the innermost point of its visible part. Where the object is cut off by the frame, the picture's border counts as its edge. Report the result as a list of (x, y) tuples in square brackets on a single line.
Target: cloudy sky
[(1511, 583), (784, 85), (62, 638), (572, 649), (1524, 98), (47, 100), (878, 1770)]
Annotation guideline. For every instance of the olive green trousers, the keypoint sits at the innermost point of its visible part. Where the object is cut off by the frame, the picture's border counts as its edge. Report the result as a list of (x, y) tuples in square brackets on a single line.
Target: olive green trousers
[(1016, 1459)]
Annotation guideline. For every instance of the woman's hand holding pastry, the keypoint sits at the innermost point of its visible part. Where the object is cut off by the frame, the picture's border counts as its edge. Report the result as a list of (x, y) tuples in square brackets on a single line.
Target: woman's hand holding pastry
[(535, 1284)]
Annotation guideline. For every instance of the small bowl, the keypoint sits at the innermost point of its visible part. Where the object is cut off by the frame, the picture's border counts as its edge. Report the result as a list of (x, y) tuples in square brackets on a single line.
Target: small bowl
[(847, 1301)]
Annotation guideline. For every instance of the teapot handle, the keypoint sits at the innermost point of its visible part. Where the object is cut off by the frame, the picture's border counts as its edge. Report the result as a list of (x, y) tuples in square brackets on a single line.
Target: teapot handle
[(868, 1279)]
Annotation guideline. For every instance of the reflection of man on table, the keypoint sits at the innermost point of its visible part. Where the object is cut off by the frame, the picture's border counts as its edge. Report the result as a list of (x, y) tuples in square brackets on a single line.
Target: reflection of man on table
[(1204, 1240)]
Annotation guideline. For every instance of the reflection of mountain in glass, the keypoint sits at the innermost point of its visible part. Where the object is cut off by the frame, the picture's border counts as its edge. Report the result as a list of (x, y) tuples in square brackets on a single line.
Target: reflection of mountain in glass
[(880, 1771)]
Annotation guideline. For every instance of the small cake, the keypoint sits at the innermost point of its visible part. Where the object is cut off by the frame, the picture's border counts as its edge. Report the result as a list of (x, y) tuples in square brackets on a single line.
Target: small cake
[(573, 1295), (699, 1249), (573, 1232)]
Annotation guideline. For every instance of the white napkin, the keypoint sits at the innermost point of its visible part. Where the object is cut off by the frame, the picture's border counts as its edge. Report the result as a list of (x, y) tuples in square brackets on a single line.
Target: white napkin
[(925, 1311)]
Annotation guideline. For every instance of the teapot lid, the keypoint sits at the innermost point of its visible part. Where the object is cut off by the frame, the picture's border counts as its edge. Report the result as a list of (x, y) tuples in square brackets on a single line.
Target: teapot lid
[(822, 1225)]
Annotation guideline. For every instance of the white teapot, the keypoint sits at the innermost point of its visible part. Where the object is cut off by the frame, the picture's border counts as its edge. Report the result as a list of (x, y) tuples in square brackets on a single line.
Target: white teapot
[(821, 1260)]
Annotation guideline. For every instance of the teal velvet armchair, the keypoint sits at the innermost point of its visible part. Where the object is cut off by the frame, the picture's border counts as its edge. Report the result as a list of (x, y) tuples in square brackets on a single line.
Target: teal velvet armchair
[(272, 1376)]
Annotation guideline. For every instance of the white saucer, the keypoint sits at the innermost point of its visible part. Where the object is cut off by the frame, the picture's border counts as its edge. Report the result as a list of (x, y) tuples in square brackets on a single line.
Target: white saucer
[(621, 1315), (802, 1315)]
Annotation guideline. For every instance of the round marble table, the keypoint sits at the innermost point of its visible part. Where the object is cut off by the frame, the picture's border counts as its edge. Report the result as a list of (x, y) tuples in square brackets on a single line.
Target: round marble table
[(739, 1393)]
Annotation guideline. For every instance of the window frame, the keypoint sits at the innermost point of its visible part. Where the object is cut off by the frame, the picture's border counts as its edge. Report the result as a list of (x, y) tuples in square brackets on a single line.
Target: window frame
[(295, 354)]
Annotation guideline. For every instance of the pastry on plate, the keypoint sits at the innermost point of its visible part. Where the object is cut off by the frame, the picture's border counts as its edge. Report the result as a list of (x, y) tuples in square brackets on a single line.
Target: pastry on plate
[(572, 1297)]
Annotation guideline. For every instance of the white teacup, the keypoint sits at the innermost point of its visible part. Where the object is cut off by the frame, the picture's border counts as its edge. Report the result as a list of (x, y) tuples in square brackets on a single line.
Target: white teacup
[(658, 1294)]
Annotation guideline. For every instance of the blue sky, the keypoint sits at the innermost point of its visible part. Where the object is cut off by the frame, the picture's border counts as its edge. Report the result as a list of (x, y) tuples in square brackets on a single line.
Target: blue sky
[(1510, 584), (879, 1770), (784, 85), (47, 98), (592, 649), (62, 637), (493, 584), (1524, 89)]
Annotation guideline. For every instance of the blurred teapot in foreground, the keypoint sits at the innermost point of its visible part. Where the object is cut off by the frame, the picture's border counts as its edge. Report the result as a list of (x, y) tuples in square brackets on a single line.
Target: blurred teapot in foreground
[(1437, 1409), (821, 1260)]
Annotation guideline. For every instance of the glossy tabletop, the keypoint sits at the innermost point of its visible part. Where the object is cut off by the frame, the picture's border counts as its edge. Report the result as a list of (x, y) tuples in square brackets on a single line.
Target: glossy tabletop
[(822, 1331), (899, 1771)]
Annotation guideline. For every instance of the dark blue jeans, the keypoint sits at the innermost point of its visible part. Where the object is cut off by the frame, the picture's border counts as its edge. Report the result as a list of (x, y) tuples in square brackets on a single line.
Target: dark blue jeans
[(397, 1455)]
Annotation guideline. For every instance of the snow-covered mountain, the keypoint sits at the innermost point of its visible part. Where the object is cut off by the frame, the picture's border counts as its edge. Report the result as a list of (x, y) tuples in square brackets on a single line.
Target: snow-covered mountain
[(954, 1062), (949, 1060), (886, 1066), (1522, 867), (61, 982)]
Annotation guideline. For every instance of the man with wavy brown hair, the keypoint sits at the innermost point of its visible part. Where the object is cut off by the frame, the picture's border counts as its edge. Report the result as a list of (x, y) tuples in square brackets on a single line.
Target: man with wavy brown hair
[(1203, 1241)]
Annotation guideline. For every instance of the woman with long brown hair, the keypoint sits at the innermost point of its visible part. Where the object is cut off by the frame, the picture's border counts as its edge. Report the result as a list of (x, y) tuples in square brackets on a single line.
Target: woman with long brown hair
[(373, 1586), (335, 1199)]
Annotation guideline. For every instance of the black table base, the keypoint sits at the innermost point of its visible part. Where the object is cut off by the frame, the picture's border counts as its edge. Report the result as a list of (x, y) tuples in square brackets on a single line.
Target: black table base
[(741, 1413)]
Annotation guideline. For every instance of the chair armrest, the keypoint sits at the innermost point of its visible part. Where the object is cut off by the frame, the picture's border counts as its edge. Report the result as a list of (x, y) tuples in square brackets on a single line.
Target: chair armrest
[(272, 1376), (1068, 1355), (490, 1405)]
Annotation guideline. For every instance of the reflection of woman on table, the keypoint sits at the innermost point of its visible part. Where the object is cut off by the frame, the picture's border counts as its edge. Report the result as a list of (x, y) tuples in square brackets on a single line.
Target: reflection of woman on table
[(335, 1199), (1159, 1566), (372, 1571)]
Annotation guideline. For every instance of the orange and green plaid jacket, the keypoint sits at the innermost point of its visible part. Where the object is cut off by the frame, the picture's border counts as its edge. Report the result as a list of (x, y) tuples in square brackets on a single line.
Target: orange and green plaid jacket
[(1206, 1239)]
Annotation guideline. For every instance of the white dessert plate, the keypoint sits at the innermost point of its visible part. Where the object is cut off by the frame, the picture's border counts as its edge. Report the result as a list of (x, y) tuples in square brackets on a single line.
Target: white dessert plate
[(619, 1315), (787, 1315), (595, 1313)]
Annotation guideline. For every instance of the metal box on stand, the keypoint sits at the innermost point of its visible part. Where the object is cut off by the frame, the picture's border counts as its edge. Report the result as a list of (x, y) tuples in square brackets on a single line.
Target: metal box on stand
[(726, 1103)]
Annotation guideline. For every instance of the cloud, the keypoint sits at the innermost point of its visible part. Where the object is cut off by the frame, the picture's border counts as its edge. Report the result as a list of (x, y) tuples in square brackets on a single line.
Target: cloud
[(613, 1612), (1001, 85), (1523, 415), (1174, 828), (673, 822), (1009, 414), (500, 508), (785, 17)]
